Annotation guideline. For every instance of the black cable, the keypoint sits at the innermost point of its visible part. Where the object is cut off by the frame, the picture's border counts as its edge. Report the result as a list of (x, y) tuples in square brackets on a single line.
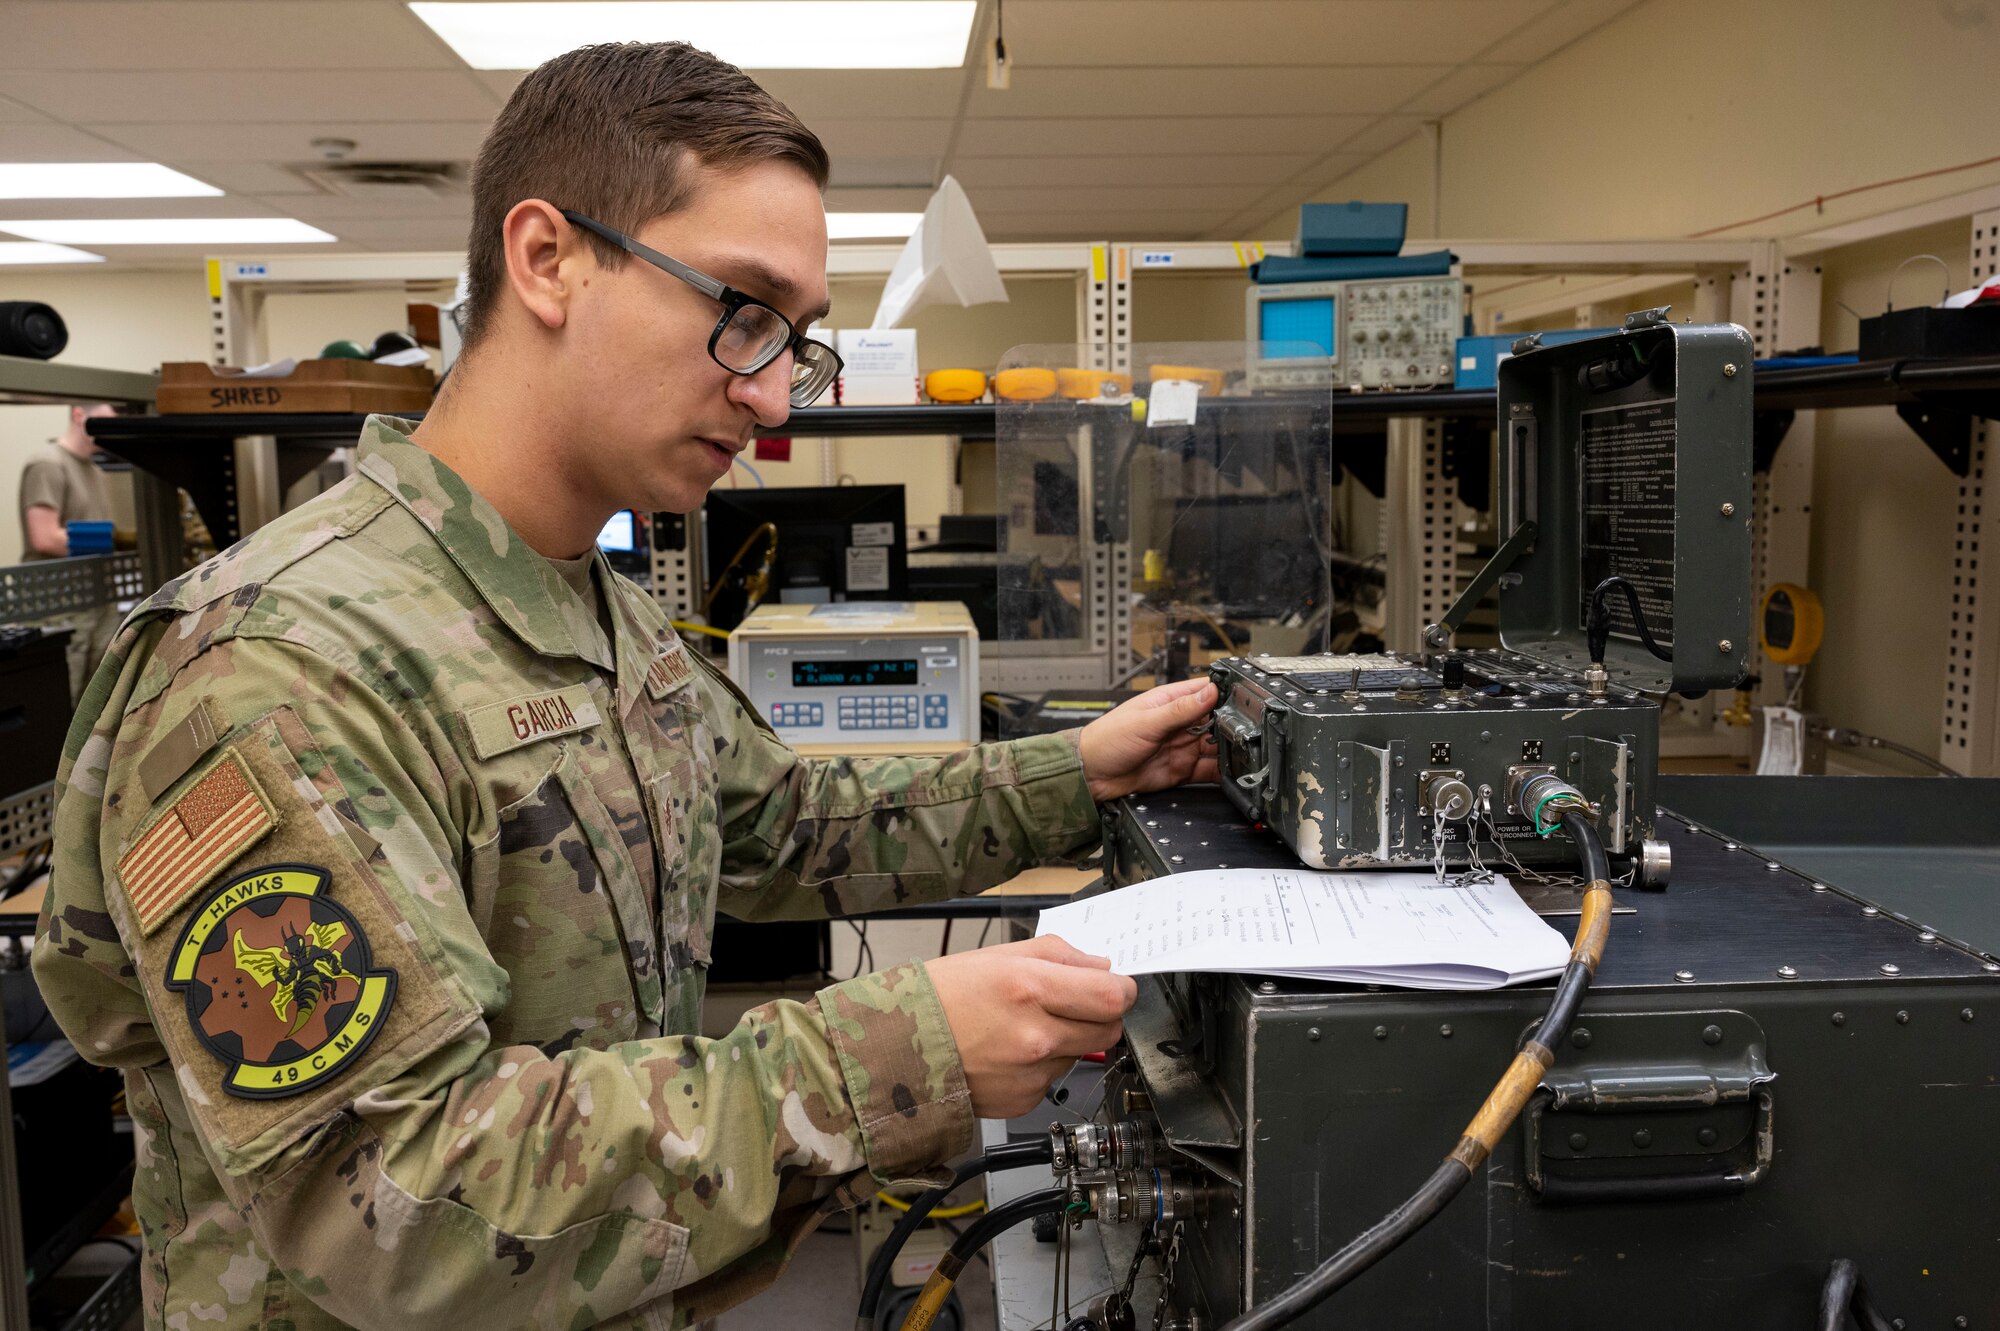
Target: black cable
[(1599, 628), (1844, 1293), (1495, 1116), (1002, 1218), (1013, 1155)]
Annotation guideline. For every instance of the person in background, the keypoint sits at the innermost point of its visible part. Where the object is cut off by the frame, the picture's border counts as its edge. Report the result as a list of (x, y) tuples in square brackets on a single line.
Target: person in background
[(61, 485)]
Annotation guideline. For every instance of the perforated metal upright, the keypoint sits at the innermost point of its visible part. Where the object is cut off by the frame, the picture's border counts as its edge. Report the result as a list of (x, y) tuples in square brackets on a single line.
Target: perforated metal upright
[(1777, 300), (1106, 319), (675, 576), (1419, 532), (1970, 742)]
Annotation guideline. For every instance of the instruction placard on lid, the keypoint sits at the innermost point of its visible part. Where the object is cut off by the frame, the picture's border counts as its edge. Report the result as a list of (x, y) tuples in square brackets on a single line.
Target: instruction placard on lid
[(1631, 456)]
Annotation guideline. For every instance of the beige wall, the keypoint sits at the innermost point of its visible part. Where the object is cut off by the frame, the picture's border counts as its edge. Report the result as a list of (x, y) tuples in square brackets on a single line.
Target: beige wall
[(118, 321), (1681, 115), (1882, 518)]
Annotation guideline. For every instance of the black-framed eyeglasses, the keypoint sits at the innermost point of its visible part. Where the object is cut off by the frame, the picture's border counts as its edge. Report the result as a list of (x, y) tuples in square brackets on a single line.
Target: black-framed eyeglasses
[(750, 334)]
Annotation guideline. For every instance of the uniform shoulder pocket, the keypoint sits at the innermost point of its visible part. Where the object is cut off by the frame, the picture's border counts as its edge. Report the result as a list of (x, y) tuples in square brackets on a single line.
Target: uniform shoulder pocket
[(284, 975)]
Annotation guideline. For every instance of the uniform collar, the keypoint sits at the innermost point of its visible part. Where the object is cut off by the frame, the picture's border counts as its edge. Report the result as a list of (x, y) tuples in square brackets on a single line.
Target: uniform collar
[(524, 589)]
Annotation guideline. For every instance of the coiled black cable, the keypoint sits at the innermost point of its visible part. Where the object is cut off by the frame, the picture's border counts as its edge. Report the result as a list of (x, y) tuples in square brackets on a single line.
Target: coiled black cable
[(1013, 1155)]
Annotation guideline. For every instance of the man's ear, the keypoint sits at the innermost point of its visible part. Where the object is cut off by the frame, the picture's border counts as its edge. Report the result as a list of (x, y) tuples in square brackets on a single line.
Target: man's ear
[(542, 250)]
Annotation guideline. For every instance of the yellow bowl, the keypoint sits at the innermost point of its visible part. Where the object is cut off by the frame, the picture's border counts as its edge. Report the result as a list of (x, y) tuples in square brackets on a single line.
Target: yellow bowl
[(954, 385), (1084, 384), (1030, 384), (1210, 380)]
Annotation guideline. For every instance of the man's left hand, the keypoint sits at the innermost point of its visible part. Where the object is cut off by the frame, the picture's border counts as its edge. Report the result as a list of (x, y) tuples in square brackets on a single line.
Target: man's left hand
[(1145, 744)]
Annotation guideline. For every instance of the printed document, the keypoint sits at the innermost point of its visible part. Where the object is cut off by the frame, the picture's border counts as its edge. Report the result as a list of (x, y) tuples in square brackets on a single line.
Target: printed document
[(1391, 928)]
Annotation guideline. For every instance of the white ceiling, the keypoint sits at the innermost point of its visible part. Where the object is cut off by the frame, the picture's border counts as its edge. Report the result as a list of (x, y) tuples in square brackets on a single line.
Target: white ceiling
[(1136, 120)]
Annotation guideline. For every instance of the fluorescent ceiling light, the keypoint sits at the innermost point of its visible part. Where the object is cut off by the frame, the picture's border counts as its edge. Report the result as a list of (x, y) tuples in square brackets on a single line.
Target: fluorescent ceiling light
[(756, 34), (170, 231), (868, 226), (98, 180), (34, 251)]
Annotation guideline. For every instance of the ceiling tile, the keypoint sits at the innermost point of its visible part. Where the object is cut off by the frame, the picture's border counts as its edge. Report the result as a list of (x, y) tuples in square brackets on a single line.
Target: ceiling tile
[(1158, 136), (900, 94), (500, 82), (1099, 199), (1044, 33), (217, 34), (228, 205), (13, 113), (1295, 90), (1549, 33), (1384, 134), (291, 141), (877, 200), (884, 138), (1466, 84), (247, 97), (331, 209), (405, 233), (45, 141), (884, 172), (243, 177), (1116, 169), (1142, 227)]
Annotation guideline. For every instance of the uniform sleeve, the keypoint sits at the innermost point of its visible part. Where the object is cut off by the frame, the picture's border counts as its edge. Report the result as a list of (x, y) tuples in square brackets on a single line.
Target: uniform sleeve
[(806, 838), (42, 485), (432, 1171)]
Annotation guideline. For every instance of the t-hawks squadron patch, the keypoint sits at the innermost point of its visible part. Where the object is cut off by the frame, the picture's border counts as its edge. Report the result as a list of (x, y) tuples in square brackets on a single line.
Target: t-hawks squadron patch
[(278, 981)]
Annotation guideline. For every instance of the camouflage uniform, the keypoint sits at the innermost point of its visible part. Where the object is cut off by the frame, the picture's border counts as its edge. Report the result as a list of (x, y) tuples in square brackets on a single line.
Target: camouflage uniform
[(387, 877)]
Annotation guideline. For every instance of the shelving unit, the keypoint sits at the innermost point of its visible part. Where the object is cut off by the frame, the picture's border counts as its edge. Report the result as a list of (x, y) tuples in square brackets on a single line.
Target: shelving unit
[(30, 591)]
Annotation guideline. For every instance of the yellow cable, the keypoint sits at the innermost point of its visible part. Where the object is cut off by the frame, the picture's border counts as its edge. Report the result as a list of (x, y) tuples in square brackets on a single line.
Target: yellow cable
[(948, 1213), (749, 542), (703, 629)]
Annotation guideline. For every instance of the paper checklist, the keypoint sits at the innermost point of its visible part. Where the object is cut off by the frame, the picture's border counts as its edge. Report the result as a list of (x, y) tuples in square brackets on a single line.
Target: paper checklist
[(1392, 928)]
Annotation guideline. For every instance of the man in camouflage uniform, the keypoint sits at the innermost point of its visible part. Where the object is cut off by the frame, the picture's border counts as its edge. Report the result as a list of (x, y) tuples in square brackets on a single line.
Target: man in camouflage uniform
[(391, 838)]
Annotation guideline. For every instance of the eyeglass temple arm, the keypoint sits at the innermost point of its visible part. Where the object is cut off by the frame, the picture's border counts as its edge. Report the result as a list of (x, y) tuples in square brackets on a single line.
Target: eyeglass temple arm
[(700, 281)]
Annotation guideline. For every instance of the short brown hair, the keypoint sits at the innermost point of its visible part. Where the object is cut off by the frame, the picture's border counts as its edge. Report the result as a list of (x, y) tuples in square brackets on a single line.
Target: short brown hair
[(605, 130)]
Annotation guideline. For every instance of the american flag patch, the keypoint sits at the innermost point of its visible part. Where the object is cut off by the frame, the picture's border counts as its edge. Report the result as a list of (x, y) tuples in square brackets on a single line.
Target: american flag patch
[(216, 819)]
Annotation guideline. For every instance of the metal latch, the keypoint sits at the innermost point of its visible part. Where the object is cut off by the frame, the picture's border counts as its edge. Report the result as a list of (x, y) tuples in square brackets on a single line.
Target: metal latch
[(1652, 1105)]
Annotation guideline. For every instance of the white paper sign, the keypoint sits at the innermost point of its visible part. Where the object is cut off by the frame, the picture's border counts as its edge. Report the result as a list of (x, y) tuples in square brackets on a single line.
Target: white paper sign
[(1172, 403), (867, 568), (1784, 742), (873, 533)]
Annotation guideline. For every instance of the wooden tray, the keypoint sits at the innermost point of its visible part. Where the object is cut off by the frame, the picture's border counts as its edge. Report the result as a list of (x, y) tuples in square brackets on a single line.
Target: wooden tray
[(194, 388)]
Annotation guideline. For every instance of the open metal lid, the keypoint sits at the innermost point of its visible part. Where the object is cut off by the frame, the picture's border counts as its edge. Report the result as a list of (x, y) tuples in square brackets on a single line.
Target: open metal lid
[(1631, 456)]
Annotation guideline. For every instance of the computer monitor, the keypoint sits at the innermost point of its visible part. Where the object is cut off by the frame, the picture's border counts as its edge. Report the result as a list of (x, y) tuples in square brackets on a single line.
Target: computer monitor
[(834, 543), (623, 542)]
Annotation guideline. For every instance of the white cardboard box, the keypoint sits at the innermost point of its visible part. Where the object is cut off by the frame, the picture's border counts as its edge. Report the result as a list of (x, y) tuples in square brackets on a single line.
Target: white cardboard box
[(879, 366)]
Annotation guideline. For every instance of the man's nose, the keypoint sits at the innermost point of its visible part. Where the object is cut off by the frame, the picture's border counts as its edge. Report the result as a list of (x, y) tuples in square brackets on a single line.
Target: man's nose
[(767, 393)]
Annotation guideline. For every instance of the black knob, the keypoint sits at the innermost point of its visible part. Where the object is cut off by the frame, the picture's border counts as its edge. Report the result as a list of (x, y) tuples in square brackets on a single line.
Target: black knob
[(1454, 673), (1046, 1225)]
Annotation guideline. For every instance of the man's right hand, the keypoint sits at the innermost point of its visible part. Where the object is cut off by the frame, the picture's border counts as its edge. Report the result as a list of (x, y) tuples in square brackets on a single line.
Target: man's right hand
[(1023, 1013)]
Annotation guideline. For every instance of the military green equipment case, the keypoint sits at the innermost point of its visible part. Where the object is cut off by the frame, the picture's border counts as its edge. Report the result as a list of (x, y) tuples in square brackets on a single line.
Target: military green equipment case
[(1768, 1073)]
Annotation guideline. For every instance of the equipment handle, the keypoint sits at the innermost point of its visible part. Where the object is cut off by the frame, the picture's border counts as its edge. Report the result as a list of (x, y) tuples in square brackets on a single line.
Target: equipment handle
[(1715, 1182)]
